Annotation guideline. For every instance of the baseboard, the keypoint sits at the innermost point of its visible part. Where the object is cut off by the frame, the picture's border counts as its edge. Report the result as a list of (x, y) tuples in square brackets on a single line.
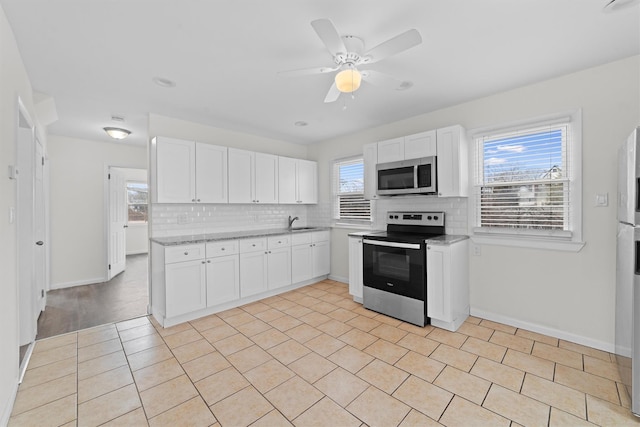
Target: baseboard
[(545, 330), (6, 412), (77, 283), (339, 279)]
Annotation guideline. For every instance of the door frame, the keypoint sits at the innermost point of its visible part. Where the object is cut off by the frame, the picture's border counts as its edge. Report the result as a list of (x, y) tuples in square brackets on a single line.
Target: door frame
[(106, 198)]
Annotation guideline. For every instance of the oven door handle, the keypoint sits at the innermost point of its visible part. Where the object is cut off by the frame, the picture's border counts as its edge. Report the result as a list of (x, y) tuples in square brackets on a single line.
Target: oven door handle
[(392, 244)]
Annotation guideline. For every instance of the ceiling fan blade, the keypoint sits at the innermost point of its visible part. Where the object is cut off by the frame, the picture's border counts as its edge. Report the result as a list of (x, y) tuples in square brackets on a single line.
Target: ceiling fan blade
[(395, 45), (382, 80), (329, 36), (333, 94), (308, 71)]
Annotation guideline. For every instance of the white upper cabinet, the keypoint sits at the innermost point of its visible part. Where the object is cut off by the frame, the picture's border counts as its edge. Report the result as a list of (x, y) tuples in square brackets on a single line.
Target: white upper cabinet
[(297, 181), (453, 162), (253, 177), (211, 173), (419, 145), (175, 170), (391, 150), (190, 172), (370, 158)]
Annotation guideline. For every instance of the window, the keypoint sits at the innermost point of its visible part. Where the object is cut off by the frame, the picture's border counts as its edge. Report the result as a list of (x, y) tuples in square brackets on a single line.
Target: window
[(527, 181), (137, 201), (350, 205)]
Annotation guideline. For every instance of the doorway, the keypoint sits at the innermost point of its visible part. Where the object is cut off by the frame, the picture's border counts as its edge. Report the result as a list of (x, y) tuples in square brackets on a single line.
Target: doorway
[(31, 231), (125, 292)]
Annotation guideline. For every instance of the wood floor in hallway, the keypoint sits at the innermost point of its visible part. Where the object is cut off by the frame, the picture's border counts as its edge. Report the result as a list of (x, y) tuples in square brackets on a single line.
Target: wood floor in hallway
[(124, 297)]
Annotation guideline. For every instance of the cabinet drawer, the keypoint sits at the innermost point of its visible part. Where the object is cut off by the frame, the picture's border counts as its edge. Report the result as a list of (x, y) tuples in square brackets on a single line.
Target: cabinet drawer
[(183, 253), (320, 236), (275, 242), (253, 245), (300, 238), (225, 247)]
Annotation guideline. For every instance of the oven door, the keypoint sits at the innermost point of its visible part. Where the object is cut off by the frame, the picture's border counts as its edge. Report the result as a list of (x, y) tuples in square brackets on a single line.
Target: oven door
[(398, 268)]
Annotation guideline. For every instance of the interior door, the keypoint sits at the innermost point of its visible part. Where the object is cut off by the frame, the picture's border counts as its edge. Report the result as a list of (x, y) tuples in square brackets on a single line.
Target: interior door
[(117, 222), (39, 228)]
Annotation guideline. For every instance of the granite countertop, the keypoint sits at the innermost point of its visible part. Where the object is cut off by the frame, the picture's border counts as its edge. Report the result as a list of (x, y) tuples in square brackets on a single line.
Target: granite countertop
[(214, 237), (447, 239)]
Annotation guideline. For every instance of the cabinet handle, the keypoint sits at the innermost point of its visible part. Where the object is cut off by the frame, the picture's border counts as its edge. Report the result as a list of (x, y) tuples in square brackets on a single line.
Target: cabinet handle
[(193, 200), (198, 199), (257, 201), (203, 262), (254, 245), (186, 253), (279, 241), (208, 261), (222, 249)]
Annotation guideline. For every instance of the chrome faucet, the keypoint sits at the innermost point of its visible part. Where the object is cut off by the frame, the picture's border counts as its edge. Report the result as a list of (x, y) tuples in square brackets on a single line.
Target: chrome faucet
[(291, 221)]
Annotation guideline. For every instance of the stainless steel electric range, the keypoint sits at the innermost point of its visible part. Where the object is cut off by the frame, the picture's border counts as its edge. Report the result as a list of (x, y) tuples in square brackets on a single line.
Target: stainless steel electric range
[(395, 265)]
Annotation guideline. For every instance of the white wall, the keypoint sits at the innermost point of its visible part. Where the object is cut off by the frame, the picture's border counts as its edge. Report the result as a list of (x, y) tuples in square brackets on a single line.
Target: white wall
[(210, 218), (14, 83), (561, 293), (78, 237)]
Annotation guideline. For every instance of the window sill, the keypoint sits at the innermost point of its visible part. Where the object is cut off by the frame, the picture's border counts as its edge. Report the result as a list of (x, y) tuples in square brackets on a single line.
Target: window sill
[(352, 226), (564, 245)]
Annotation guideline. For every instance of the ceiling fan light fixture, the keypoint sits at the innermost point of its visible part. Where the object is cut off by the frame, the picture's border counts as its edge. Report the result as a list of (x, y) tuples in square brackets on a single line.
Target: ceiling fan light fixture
[(348, 80), (117, 133)]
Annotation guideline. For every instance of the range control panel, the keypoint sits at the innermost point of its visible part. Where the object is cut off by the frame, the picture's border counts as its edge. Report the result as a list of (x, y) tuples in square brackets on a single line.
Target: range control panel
[(416, 218)]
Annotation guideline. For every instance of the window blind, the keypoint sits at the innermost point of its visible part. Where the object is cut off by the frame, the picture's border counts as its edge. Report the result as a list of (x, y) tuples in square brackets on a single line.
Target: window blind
[(349, 202), (522, 179)]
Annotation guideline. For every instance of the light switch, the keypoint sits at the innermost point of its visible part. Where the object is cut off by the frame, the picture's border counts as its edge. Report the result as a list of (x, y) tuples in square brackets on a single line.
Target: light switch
[(602, 199)]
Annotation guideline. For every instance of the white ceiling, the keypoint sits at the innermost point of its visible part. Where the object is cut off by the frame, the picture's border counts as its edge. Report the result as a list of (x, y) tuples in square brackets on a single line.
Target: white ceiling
[(98, 58)]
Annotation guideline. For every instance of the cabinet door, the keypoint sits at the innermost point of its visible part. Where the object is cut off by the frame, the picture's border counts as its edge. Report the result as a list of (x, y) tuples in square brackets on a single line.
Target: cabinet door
[(241, 176), (391, 150), (307, 175), (287, 180), (321, 259), (223, 279), (175, 170), (419, 145), (266, 178), (211, 173), (370, 157), (186, 287), (253, 273), (301, 263), (279, 267), (355, 267), (452, 162), (438, 288)]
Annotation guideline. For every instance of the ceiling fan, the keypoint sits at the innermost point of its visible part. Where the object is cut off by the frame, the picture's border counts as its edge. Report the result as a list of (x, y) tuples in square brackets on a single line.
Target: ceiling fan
[(348, 54)]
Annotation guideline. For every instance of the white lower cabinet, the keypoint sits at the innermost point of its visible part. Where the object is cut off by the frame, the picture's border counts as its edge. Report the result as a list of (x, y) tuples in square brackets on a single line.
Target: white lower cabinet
[(448, 284), (355, 268), (310, 255), (186, 280), (223, 272)]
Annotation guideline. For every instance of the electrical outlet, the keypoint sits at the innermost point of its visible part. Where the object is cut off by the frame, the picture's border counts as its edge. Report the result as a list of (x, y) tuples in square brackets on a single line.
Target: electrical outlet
[(602, 199), (182, 219), (476, 250)]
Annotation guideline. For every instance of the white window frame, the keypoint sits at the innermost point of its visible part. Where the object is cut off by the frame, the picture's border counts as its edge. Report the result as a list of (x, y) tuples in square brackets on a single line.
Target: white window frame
[(569, 240), (347, 222)]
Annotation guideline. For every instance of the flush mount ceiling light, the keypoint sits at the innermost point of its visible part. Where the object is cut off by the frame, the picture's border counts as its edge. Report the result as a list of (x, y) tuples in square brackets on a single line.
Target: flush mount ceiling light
[(117, 133)]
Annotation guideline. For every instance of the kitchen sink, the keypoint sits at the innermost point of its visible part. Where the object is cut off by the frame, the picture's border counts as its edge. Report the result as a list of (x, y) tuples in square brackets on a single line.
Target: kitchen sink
[(303, 228)]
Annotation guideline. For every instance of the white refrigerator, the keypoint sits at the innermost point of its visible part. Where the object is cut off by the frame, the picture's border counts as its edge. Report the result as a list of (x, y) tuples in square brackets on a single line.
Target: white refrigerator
[(627, 340)]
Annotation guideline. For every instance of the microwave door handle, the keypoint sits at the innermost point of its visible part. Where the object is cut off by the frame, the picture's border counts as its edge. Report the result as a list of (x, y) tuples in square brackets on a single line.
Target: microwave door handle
[(415, 176)]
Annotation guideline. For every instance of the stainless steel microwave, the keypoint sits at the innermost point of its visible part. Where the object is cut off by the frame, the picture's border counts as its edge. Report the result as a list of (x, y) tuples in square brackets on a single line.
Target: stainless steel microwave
[(414, 176)]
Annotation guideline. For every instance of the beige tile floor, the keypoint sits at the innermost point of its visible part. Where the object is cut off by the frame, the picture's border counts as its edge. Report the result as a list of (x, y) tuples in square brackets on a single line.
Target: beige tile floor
[(313, 357)]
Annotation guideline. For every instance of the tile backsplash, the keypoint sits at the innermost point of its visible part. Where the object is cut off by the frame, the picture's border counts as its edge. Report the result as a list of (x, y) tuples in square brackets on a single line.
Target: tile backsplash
[(188, 219)]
